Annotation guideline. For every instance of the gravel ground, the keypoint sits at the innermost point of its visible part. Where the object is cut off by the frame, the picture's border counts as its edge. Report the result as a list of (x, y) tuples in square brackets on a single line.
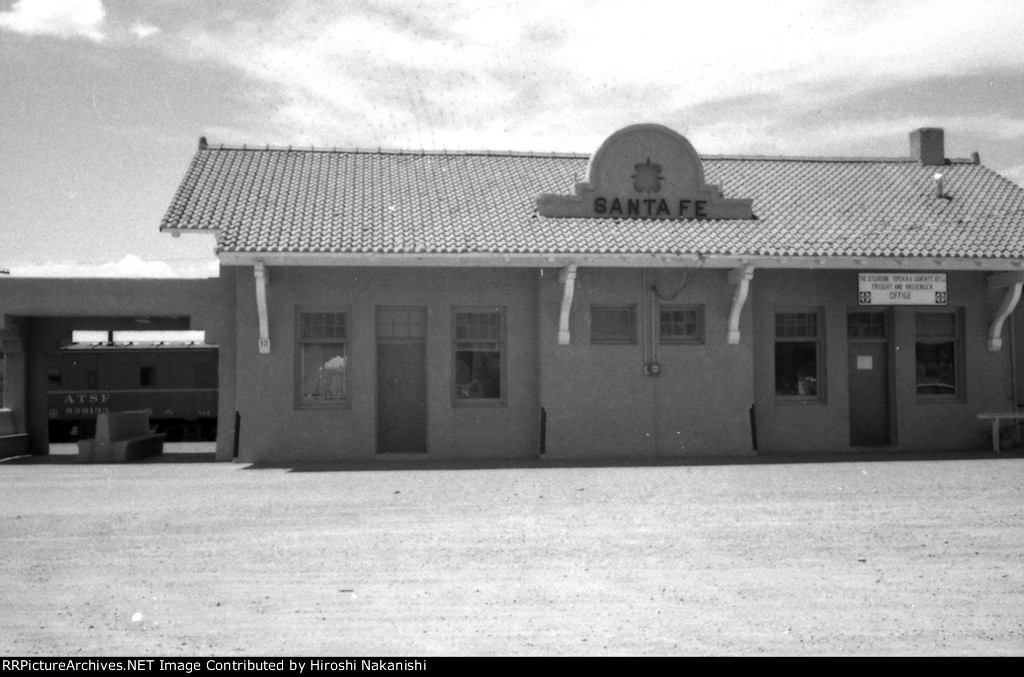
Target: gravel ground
[(184, 558)]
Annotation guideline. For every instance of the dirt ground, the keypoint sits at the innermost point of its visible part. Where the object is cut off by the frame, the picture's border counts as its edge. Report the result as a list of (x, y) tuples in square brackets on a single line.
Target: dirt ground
[(181, 558)]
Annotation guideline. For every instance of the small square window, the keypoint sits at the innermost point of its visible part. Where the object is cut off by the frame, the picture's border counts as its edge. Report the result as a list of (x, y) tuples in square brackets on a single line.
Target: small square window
[(680, 324), (613, 324)]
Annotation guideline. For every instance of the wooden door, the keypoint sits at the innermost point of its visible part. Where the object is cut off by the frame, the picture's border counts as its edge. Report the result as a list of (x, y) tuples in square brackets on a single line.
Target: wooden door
[(401, 381), (869, 379)]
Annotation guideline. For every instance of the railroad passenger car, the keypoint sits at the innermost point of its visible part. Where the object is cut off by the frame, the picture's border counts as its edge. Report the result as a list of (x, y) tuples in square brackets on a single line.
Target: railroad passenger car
[(176, 381)]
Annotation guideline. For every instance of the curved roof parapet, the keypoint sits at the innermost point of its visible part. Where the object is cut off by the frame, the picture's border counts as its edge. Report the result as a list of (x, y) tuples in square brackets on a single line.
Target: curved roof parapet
[(645, 171)]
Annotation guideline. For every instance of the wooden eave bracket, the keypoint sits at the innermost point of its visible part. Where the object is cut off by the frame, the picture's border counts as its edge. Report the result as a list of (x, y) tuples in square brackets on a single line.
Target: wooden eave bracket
[(1012, 282), (741, 278), (260, 272), (567, 277)]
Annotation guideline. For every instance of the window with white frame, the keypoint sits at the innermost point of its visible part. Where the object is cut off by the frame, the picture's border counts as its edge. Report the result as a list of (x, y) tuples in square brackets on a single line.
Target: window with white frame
[(613, 324), (798, 354), (322, 347), (479, 338), (680, 324), (938, 351)]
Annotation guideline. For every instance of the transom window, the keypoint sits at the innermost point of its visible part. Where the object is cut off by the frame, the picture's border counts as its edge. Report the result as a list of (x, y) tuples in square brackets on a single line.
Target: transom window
[(862, 325), (479, 356), (613, 324), (798, 353), (323, 359), (401, 323), (680, 324)]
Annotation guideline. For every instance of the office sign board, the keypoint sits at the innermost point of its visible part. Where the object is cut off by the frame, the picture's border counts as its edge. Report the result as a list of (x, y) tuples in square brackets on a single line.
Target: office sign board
[(902, 289)]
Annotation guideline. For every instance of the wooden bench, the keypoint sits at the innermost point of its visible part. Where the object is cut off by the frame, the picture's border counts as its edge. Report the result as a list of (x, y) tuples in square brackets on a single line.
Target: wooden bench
[(121, 436), (996, 419), (11, 443)]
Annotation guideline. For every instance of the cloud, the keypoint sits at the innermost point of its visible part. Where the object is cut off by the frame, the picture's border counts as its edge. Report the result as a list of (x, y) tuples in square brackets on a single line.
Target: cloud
[(1015, 174), (62, 18), (453, 75), (996, 125), (131, 266), (143, 30)]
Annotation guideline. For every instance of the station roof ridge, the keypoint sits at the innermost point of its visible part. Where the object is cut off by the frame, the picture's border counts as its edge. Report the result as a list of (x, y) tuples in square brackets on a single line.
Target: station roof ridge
[(834, 159), (570, 155), (384, 150)]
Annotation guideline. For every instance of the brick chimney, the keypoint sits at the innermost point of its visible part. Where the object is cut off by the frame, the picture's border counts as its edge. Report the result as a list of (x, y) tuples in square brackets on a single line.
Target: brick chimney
[(928, 146)]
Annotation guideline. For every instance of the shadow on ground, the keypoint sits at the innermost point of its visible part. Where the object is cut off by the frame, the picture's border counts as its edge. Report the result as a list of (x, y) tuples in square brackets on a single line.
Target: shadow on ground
[(174, 452), (758, 459), (63, 457), (72, 459)]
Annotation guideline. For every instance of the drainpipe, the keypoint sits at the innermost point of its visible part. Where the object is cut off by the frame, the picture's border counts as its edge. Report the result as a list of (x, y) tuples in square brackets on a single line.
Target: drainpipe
[(645, 322), (260, 273), (741, 278), (1012, 282), (1010, 300), (567, 276), (652, 303)]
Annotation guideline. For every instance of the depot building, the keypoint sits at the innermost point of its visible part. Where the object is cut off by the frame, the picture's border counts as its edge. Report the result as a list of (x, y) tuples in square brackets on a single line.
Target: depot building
[(644, 301)]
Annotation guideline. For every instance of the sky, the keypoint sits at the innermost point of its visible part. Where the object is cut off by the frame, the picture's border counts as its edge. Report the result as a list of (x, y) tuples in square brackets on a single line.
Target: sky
[(103, 102)]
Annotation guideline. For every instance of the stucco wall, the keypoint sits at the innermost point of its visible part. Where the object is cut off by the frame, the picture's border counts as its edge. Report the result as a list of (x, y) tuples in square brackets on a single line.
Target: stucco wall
[(598, 398), (274, 430), (919, 424)]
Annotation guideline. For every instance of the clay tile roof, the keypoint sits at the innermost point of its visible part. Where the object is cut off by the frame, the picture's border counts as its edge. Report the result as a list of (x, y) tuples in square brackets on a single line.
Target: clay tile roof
[(380, 202)]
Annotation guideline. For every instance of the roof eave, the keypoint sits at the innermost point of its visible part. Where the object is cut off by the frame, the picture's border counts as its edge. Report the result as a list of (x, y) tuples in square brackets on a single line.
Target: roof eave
[(176, 232), (612, 260)]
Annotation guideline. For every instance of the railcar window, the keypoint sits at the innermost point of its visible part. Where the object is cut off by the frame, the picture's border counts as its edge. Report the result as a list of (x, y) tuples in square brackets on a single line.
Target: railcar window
[(147, 377)]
